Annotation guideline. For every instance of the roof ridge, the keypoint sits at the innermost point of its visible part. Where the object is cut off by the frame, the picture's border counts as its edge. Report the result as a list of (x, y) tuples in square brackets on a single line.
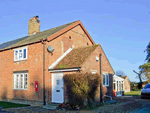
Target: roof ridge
[(85, 46), (33, 38), (60, 26), (13, 40)]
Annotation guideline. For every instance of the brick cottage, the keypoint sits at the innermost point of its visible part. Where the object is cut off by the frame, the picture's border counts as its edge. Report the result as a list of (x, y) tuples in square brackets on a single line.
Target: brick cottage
[(32, 67)]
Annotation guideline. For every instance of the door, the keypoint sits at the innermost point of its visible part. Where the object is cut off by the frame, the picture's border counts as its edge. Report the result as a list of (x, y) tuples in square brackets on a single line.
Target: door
[(119, 88), (57, 88)]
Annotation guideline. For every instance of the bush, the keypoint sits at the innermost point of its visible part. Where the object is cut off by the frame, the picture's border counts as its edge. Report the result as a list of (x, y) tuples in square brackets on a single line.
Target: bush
[(104, 91), (81, 86)]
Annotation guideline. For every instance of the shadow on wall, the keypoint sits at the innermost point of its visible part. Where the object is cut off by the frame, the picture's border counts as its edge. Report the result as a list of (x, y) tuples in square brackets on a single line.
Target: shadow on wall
[(110, 87), (4, 93), (25, 95)]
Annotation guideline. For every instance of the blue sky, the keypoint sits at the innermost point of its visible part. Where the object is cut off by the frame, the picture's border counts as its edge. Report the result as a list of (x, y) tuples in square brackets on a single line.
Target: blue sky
[(122, 27)]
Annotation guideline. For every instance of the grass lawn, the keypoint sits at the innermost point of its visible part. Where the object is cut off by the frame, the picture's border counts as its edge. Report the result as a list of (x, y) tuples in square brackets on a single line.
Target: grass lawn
[(11, 105), (133, 93)]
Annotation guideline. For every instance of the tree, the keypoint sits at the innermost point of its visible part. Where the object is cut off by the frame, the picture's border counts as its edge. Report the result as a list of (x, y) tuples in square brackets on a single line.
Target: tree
[(120, 73), (148, 53), (145, 68), (140, 78)]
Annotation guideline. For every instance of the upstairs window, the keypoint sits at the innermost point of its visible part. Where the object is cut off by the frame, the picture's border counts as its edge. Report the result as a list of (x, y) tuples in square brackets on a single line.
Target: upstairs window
[(20, 54), (105, 79)]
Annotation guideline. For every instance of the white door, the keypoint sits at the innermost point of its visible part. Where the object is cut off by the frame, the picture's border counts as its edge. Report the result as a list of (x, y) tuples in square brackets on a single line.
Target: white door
[(57, 88)]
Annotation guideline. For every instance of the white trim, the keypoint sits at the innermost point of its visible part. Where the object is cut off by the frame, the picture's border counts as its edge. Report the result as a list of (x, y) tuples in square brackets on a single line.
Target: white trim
[(115, 77), (106, 75), (18, 49), (59, 59), (62, 70), (19, 82), (117, 86), (55, 74)]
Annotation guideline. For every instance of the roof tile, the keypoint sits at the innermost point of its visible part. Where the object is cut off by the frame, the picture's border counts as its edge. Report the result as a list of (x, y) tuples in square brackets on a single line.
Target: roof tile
[(76, 57)]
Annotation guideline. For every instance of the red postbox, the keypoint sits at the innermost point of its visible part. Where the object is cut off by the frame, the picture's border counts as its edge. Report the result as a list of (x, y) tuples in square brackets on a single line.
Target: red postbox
[(36, 86)]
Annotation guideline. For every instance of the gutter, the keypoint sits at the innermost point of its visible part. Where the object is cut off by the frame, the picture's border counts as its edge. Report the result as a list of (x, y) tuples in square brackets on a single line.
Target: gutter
[(44, 97), (23, 45), (101, 89), (65, 69)]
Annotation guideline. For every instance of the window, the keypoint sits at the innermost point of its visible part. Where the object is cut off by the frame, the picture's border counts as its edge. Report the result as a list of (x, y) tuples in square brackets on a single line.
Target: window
[(20, 80), (106, 79), (69, 37), (20, 54)]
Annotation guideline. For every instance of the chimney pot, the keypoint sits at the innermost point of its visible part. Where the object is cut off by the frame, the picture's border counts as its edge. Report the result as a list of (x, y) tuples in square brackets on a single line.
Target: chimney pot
[(33, 25)]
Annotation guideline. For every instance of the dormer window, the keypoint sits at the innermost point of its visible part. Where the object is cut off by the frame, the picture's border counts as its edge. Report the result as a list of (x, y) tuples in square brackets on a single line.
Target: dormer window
[(20, 54)]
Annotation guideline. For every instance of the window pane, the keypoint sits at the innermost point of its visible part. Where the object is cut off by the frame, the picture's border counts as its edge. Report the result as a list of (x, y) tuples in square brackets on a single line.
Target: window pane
[(20, 54), (20, 81), (25, 81), (103, 79), (107, 79), (24, 56), (57, 82), (16, 55), (114, 86), (25, 75)]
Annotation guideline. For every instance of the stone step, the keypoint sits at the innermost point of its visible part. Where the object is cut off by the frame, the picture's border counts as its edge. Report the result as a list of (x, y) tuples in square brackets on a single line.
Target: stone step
[(51, 106)]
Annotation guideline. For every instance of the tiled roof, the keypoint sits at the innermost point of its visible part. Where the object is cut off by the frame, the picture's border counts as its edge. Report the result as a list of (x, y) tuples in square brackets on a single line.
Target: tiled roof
[(76, 57), (123, 77), (7, 44), (33, 38)]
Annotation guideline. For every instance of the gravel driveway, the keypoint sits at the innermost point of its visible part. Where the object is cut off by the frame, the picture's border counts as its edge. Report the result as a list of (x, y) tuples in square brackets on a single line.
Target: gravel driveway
[(123, 105)]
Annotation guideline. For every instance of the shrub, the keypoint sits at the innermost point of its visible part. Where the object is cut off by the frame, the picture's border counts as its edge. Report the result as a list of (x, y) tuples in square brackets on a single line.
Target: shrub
[(81, 86), (104, 91)]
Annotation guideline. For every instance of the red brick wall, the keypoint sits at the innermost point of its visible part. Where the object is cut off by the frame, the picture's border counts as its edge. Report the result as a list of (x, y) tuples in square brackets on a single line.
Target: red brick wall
[(127, 85), (60, 45), (91, 64), (34, 65)]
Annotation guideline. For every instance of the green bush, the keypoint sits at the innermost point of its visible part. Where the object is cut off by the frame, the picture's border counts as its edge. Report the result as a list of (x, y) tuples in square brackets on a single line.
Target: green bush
[(81, 86)]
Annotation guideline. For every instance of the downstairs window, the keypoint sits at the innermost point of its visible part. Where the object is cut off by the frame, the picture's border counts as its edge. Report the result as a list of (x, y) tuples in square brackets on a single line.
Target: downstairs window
[(20, 80)]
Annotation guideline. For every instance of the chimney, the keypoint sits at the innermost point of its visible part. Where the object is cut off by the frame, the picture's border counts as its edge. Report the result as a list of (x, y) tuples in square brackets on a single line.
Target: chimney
[(33, 25)]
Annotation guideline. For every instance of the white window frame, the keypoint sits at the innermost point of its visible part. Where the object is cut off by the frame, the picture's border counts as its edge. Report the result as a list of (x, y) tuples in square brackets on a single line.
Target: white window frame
[(19, 81), (106, 76), (18, 54)]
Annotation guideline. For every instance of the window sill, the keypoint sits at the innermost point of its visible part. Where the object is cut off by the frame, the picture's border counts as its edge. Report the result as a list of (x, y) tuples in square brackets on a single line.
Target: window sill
[(20, 89), (106, 85), (20, 60)]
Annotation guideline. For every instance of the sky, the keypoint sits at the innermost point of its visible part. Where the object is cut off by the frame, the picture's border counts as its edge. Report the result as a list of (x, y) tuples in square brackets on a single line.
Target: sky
[(122, 27)]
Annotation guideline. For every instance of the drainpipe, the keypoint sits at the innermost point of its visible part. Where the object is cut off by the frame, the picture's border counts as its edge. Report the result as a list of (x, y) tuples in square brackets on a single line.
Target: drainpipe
[(101, 90), (44, 103)]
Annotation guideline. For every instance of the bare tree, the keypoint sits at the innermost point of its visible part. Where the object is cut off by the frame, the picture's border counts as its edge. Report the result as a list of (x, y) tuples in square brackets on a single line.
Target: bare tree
[(120, 73)]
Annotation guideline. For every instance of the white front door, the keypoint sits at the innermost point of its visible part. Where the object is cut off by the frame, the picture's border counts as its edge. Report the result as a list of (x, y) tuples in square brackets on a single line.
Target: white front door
[(57, 88)]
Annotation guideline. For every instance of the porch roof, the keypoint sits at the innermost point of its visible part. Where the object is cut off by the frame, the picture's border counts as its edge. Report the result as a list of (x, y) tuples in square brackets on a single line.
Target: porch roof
[(115, 77)]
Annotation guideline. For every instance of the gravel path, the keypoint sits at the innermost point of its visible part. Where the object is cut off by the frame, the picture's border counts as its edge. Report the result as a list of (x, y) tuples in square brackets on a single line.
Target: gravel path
[(123, 105)]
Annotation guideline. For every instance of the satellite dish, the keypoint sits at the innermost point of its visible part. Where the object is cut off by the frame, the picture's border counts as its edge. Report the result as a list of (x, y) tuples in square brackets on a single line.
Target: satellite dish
[(50, 49)]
